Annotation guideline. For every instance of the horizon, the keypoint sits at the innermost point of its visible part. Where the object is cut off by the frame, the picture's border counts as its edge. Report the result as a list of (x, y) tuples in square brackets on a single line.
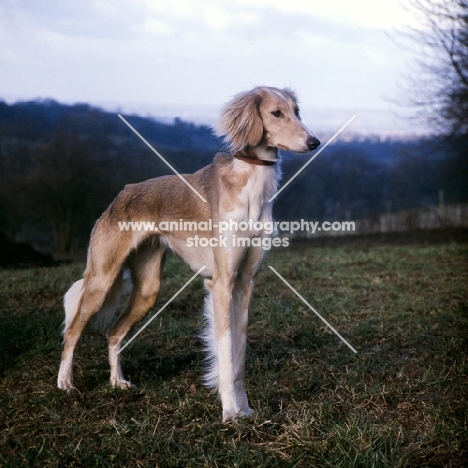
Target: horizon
[(369, 122)]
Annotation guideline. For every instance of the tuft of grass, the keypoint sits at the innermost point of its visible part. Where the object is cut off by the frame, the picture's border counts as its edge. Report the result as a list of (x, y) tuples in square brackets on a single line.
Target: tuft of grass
[(400, 402)]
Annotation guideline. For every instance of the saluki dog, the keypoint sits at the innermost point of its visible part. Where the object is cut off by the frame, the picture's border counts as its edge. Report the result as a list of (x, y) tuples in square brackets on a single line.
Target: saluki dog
[(236, 187)]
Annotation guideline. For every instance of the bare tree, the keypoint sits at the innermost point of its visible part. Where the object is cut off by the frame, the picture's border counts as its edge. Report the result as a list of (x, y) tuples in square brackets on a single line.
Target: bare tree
[(440, 87)]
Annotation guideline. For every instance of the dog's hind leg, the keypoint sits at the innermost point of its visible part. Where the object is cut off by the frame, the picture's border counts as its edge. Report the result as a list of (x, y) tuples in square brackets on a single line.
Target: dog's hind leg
[(88, 296), (93, 295), (145, 269)]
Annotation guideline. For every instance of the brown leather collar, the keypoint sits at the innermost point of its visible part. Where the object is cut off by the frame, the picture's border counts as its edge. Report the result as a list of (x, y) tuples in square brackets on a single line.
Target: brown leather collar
[(252, 159)]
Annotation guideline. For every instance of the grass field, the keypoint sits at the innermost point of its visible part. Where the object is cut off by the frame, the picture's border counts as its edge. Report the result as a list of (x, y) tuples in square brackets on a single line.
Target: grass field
[(401, 401)]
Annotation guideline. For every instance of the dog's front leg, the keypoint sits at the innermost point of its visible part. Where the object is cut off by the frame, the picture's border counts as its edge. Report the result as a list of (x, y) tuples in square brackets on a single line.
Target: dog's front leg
[(223, 334), (239, 316)]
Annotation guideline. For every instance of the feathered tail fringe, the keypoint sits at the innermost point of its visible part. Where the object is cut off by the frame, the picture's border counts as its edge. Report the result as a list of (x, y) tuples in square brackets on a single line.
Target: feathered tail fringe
[(73, 297), (210, 379)]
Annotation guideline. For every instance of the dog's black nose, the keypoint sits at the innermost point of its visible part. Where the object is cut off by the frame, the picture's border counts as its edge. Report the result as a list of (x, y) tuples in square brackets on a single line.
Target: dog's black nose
[(312, 143)]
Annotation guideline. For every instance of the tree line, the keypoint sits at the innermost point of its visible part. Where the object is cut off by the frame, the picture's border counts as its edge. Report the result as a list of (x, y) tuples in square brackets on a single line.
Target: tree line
[(60, 167)]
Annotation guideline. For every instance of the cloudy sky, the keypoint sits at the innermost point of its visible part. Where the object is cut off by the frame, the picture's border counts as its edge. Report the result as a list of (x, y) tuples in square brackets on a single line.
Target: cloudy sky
[(186, 57)]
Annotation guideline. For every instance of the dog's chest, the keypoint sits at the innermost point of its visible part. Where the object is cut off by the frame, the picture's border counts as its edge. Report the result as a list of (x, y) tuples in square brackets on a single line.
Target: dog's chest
[(249, 201)]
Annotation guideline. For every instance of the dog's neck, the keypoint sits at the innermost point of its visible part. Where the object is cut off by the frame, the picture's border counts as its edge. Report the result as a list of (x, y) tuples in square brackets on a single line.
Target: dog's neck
[(258, 155)]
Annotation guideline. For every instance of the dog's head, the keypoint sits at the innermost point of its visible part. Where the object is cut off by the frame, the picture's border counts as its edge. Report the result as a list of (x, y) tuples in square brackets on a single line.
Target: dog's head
[(265, 116)]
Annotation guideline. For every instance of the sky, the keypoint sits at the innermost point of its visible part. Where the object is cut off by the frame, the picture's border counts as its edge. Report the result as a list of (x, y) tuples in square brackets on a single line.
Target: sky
[(168, 58)]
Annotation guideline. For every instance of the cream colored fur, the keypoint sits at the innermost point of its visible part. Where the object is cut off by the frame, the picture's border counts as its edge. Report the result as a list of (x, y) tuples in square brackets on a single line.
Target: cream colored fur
[(255, 124)]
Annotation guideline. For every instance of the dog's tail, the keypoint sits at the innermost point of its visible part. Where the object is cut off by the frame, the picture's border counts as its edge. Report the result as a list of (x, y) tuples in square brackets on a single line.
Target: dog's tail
[(73, 297), (71, 303), (211, 377)]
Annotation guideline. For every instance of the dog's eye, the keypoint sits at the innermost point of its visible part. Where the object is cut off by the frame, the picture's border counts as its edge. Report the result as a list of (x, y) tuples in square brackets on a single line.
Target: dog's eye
[(277, 113)]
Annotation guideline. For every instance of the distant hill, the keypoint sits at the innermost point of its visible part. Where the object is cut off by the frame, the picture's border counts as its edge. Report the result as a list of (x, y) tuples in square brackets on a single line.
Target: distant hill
[(60, 166), (38, 120)]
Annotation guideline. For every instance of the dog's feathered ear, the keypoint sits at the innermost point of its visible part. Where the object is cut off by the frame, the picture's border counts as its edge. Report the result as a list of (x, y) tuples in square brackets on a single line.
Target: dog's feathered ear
[(240, 123)]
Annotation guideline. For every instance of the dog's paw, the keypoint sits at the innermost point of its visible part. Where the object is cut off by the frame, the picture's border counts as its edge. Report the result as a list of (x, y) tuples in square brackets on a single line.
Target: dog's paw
[(230, 415), (246, 413), (233, 414), (123, 384), (66, 385)]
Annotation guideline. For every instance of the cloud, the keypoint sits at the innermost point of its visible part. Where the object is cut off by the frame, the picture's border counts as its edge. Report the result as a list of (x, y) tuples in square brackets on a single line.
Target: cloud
[(360, 13), (334, 53)]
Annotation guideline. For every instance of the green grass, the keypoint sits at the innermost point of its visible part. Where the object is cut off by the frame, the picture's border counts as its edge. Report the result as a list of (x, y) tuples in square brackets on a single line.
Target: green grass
[(400, 402)]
